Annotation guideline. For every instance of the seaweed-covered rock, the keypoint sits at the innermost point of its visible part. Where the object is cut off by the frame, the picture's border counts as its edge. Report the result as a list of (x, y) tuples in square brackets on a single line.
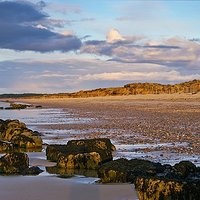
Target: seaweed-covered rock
[(92, 144), (184, 168), (54, 151), (154, 181), (19, 135), (5, 146), (123, 170), (164, 189), (81, 154), (34, 170), (17, 106), (17, 164), (14, 163)]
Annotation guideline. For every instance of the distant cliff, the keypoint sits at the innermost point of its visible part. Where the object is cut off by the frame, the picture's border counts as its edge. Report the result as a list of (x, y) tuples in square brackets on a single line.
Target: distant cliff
[(129, 89)]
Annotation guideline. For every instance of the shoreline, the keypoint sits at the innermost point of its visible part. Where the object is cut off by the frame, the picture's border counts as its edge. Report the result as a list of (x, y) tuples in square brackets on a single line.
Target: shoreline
[(130, 120)]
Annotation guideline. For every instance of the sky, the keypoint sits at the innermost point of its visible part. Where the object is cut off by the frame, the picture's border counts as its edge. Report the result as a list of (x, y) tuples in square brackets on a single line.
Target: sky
[(70, 45)]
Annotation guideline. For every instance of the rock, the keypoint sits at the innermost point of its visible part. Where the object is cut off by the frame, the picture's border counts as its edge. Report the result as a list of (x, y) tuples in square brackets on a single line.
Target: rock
[(154, 181), (123, 170), (38, 106), (14, 163), (81, 154), (92, 144), (184, 168), (162, 189), (17, 106), (17, 163), (5, 146), (19, 135), (53, 152), (1, 108), (84, 160), (32, 171)]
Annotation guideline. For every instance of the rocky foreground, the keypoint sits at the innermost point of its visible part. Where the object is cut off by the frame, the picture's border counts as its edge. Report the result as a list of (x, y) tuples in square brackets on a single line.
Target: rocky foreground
[(15, 135), (152, 180)]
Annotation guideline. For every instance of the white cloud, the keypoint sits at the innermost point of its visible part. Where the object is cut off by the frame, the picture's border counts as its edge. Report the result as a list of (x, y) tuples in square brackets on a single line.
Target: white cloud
[(141, 76), (114, 36)]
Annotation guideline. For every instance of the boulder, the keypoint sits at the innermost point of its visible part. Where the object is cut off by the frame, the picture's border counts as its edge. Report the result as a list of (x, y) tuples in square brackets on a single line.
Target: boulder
[(163, 189), (16, 106), (5, 146), (154, 181), (19, 135), (17, 164), (81, 154), (123, 170), (185, 168), (14, 163), (54, 151)]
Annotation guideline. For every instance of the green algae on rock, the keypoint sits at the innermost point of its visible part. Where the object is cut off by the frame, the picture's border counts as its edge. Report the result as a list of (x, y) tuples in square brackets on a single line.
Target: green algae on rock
[(81, 154), (154, 181), (19, 135), (17, 164)]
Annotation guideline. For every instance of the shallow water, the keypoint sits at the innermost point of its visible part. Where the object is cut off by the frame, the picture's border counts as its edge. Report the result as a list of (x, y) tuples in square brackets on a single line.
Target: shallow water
[(41, 120)]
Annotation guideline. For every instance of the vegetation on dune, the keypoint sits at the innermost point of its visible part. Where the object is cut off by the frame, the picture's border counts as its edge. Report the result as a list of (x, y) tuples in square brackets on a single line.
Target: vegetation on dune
[(129, 89)]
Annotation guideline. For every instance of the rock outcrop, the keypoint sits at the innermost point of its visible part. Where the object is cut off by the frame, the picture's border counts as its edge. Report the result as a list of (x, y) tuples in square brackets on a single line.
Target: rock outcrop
[(14, 163), (6, 146), (19, 135), (16, 106), (154, 181), (17, 164), (81, 154)]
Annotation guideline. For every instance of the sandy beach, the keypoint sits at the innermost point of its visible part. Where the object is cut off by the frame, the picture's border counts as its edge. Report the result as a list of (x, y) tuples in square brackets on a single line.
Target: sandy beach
[(138, 119), (159, 127)]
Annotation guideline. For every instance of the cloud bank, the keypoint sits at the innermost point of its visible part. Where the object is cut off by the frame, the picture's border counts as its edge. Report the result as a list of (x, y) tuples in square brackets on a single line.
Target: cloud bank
[(21, 29)]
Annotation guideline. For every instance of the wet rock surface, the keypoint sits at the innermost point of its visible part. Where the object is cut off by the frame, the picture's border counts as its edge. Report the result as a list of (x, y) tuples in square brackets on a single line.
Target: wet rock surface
[(18, 135), (153, 180), (17, 106), (81, 154), (17, 164)]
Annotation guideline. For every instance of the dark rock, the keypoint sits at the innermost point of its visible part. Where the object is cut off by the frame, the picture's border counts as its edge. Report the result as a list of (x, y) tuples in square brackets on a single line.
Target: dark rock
[(1, 108), (14, 163), (19, 135), (53, 152), (81, 154), (5, 146), (38, 106), (32, 171), (17, 164), (154, 181), (123, 170), (164, 189), (18, 106), (184, 168)]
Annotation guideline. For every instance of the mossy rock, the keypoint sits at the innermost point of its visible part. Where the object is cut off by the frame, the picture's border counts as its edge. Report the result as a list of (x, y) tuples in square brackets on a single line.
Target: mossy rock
[(81, 154), (19, 135), (14, 163)]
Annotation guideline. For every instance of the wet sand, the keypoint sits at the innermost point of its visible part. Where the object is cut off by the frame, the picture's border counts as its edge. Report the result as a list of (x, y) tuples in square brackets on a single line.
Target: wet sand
[(51, 188), (139, 119), (154, 127)]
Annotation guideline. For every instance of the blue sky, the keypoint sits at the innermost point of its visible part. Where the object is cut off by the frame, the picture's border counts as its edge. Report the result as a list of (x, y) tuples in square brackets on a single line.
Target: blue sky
[(62, 46)]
